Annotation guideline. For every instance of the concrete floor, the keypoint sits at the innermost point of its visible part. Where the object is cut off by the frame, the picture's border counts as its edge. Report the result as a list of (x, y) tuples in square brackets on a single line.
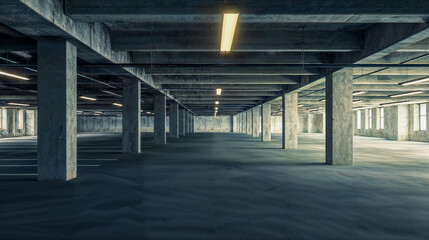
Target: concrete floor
[(219, 186)]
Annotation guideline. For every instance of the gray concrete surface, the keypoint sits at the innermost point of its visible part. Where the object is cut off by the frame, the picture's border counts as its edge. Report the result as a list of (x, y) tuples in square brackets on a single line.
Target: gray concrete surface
[(290, 121), (160, 119), (131, 116), (219, 186), (57, 123)]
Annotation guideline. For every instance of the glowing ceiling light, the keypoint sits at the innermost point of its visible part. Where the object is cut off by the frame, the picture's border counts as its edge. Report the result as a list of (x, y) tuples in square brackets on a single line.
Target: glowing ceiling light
[(148, 112), (98, 112), (217, 102), (13, 75), (218, 91), (405, 94), (216, 108), (395, 103), (420, 80), (313, 109), (323, 100), (301, 105), (117, 104), (18, 104), (228, 29), (358, 93), (357, 101), (88, 98)]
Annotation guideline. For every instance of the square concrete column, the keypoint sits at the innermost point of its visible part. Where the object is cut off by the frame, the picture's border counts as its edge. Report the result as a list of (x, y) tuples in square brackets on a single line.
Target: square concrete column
[(174, 120), (186, 122), (182, 122), (290, 121), (159, 119), (266, 122), (339, 118), (131, 125), (256, 122), (57, 100), (249, 122)]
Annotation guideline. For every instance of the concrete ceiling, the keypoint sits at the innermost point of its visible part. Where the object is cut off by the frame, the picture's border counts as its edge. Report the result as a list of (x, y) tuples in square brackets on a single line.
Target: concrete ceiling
[(173, 48)]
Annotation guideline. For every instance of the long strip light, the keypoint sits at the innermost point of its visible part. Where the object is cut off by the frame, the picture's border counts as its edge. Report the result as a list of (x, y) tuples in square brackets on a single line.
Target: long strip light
[(218, 91), (358, 93), (416, 81), (88, 98), (18, 104), (313, 109), (395, 103), (357, 101), (405, 94), (228, 30), (13, 75), (117, 104)]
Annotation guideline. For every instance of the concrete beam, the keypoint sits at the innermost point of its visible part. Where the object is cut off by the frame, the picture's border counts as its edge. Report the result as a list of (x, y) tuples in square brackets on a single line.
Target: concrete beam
[(216, 80), (228, 70), (249, 40), (317, 11)]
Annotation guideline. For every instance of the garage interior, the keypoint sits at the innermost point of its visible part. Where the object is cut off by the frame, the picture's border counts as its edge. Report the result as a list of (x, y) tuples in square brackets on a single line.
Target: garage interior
[(214, 119)]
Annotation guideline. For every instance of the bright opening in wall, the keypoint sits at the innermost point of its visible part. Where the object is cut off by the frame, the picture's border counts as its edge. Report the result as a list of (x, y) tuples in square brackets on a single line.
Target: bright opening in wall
[(3, 118), (422, 116), (359, 119), (20, 119)]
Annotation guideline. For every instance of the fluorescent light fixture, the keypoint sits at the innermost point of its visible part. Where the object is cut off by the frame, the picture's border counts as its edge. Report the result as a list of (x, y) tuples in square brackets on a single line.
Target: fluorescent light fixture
[(358, 93), (218, 91), (98, 112), (301, 105), (357, 101), (358, 108), (313, 109), (18, 104), (117, 104), (416, 81), (395, 103), (228, 29), (13, 75), (323, 100), (148, 112), (405, 94), (217, 102), (78, 111), (88, 98), (216, 108)]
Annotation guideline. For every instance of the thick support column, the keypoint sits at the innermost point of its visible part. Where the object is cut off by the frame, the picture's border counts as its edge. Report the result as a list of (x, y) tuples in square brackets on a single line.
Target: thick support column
[(159, 119), (339, 118), (187, 122), (131, 124), (266, 122), (290, 121), (174, 120), (56, 86), (256, 122), (182, 124), (249, 122)]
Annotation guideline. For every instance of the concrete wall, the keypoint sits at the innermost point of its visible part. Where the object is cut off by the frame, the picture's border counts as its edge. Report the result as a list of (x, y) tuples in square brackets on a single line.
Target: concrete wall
[(29, 127), (213, 124), (111, 124)]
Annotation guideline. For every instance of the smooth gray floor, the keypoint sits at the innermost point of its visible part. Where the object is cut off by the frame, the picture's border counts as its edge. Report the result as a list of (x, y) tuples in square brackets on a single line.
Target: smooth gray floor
[(219, 186)]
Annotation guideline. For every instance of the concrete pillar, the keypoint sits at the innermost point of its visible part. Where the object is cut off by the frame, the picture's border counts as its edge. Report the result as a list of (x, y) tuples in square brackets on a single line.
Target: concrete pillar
[(312, 123), (182, 124), (339, 118), (174, 120), (159, 120), (256, 122), (131, 116), (57, 94), (249, 122), (290, 121), (231, 118), (186, 122), (266, 122)]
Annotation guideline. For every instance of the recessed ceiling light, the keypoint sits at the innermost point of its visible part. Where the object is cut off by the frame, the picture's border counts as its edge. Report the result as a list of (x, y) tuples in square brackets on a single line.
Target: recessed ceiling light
[(416, 81), (18, 104), (88, 98), (358, 93), (218, 91), (117, 104), (405, 94), (13, 75), (228, 30)]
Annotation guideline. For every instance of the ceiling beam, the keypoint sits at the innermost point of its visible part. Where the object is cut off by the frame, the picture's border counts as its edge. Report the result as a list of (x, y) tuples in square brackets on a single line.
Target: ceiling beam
[(241, 79), (227, 70)]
